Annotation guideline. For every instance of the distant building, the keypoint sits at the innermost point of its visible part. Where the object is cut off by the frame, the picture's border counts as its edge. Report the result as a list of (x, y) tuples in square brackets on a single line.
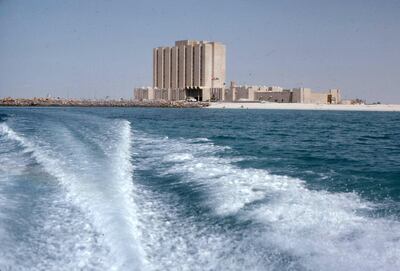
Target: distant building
[(189, 69), (280, 95), (143, 94), (196, 69), (306, 95)]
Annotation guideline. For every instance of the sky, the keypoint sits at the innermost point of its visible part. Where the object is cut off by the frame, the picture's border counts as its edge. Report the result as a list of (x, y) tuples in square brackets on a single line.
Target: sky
[(94, 49)]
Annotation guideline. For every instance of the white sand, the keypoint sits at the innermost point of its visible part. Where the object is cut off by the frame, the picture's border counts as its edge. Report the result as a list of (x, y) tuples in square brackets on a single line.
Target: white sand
[(296, 106)]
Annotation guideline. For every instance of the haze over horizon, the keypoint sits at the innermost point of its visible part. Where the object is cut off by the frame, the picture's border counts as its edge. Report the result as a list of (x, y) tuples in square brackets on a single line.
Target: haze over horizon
[(94, 49)]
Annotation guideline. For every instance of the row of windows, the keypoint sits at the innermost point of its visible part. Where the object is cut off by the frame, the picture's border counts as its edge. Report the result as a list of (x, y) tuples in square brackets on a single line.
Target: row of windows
[(186, 54)]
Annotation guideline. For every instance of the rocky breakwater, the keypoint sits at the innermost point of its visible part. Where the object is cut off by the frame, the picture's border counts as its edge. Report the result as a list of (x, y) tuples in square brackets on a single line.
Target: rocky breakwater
[(98, 103)]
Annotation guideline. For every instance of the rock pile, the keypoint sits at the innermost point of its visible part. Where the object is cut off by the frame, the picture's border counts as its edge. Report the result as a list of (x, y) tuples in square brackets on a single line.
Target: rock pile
[(98, 103)]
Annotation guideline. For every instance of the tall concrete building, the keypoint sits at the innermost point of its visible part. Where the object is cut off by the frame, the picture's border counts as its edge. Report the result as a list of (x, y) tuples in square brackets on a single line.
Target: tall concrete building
[(189, 69), (196, 69)]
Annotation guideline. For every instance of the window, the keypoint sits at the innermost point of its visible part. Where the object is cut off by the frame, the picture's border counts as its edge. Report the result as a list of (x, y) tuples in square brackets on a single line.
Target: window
[(193, 66), (201, 65), (170, 67), (177, 71), (164, 68)]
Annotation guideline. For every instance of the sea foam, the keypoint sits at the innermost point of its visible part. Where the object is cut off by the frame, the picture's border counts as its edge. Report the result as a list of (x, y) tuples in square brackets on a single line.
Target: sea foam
[(279, 223), (319, 229), (103, 192)]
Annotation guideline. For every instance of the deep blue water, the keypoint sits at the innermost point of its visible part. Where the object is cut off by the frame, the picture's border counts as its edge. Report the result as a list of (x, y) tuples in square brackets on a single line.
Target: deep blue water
[(198, 189)]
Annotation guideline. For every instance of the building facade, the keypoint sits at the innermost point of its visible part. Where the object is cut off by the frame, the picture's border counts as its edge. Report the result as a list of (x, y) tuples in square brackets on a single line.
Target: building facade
[(246, 93), (276, 94), (196, 70), (190, 69)]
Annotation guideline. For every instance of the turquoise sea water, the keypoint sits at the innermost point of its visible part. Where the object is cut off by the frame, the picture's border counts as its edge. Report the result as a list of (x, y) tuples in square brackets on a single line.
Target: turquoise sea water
[(198, 189)]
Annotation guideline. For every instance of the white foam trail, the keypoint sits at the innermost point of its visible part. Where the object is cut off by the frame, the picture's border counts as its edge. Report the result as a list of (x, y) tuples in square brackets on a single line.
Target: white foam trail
[(8, 132), (105, 198), (325, 231), (173, 241), (317, 229)]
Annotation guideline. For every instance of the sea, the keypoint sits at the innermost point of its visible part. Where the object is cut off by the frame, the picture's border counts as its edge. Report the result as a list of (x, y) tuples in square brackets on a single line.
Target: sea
[(198, 189)]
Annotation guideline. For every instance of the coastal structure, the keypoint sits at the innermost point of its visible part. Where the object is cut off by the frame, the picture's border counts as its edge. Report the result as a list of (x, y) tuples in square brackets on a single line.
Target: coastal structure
[(195, 70), (189, 69), (56, 102), (280, 95)]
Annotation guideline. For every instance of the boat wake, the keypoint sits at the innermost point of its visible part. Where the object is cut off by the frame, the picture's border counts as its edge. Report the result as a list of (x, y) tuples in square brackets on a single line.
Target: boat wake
[(314, 230), (103, 191), (91, 193)]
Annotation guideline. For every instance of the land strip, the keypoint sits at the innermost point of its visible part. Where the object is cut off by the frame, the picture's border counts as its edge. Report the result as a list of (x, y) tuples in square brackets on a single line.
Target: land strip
[(300, 106), (98, 103)]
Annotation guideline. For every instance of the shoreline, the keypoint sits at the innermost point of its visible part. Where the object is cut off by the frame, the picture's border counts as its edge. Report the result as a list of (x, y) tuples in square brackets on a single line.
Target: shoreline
[(299, 106), (48, 102)]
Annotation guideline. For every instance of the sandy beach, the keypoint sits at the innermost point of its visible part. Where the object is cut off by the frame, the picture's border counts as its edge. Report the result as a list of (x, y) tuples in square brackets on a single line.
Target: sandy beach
[(296, 106)]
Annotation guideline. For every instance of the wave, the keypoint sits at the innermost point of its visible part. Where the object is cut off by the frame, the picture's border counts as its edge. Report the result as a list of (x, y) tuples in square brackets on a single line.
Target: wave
[(319, 229), (3, 117), (103, 192), (251, 219)]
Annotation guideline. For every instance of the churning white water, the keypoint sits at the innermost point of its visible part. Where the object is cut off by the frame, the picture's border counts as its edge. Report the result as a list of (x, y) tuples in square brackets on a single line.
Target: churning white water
[(92, 193)]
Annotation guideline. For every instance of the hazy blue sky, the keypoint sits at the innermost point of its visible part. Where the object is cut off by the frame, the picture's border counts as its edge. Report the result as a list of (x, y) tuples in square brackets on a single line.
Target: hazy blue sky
[(98, 48)]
